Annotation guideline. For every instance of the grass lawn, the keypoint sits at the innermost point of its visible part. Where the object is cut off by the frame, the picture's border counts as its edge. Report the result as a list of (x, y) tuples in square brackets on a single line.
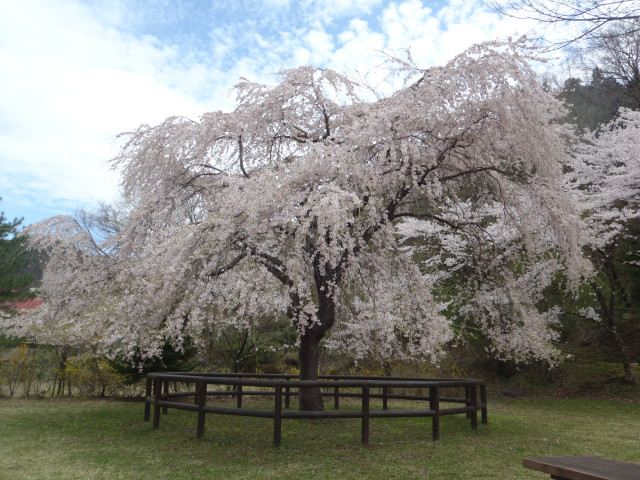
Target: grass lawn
[(103, 439)]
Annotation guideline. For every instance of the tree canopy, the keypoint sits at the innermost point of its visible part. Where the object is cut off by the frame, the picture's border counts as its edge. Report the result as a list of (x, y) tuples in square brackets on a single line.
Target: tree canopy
[(299, 200)]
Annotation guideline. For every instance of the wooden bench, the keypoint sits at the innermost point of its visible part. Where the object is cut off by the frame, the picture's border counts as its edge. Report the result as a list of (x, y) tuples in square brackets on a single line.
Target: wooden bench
[(584, 468)]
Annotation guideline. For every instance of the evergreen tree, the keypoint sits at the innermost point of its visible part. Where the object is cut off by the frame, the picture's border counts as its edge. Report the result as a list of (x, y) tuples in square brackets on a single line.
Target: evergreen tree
[(14, 260), (595, 103)]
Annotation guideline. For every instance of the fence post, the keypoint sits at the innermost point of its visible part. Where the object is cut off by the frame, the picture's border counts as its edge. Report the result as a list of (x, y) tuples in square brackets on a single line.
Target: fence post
[(474, 405), (385, 392), (277, 417), (467, 399), (365, 415), (239, 395), (165, 410), (201, 401), (434, 404), (287, 397), (147, 403), (157, 390), (483, 400), (336, 398)]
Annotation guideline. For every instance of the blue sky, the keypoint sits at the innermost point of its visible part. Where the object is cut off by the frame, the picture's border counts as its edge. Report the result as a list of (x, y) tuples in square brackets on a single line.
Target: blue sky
[(76, 73)]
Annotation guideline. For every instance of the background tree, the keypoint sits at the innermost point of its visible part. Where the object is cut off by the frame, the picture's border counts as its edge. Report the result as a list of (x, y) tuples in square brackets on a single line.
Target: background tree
[(594, 15), (593, 103), (66, 320), (15, 257), (605, 179), (605, 164), (618, 55)]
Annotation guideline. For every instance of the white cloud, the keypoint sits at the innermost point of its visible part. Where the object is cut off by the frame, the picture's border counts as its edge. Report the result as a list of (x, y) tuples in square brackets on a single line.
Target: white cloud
[(320, 44), (328, 10), (69, 85)]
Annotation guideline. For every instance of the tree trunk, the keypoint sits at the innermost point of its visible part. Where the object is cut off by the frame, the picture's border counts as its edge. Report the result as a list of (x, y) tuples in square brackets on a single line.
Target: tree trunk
[(624, 355), (310, 398), (309, 356), (610, 322), (628, 372)]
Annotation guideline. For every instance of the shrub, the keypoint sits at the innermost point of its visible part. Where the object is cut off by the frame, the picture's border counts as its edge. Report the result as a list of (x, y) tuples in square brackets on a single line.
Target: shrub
[(93, 376), (19, 367)]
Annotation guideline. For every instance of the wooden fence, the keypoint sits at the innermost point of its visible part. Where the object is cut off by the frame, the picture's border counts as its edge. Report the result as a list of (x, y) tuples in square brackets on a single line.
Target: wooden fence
[(283, 387)]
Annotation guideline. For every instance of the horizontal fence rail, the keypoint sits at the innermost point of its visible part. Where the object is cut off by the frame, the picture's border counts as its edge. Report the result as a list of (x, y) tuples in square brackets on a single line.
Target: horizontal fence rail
[(283, 387)]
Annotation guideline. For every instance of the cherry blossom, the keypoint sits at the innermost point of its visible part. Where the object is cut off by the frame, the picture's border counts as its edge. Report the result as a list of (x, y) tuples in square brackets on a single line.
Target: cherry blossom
[(300, 201)]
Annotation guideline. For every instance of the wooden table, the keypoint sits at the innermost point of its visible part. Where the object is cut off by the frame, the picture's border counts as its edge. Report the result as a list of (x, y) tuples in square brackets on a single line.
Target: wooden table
[(584, 468)]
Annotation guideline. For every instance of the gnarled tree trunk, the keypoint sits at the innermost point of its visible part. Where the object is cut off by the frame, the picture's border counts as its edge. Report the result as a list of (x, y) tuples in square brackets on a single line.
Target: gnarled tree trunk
[(309, 352), (309, 356)]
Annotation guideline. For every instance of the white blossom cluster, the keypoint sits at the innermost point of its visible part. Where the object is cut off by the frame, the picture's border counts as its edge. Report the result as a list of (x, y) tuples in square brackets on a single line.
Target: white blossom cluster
[(604, 179)]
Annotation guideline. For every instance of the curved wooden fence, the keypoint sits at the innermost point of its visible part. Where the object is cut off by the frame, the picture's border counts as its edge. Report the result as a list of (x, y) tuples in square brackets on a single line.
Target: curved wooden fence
[(283, 387)]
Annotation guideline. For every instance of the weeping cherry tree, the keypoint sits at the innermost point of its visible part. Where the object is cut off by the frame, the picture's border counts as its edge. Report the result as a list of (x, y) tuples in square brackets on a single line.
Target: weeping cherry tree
[(294, 203)]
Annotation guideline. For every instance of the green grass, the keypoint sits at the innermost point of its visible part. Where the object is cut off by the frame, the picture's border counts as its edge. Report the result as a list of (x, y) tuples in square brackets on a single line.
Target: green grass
[(94, 439)]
